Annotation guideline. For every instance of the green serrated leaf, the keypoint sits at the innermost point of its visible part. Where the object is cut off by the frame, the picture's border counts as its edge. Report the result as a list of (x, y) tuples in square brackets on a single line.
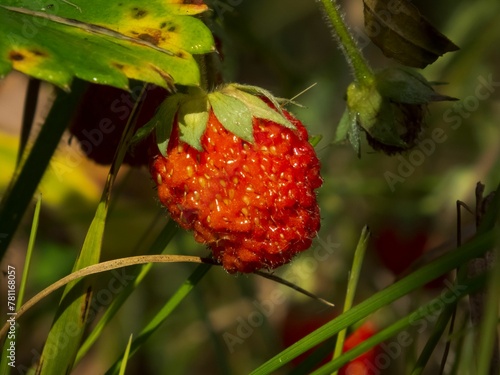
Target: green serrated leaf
[(257, 106), (104, 43), (192, 118), (403, 34), (233, 114)]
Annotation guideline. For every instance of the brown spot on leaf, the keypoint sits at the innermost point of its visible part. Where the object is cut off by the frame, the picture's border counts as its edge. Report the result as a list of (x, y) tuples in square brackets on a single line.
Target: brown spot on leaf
[(149, 38), (163, 24), (139, 13), (39, 53), (172, 29), (118, 65), (16, 56)]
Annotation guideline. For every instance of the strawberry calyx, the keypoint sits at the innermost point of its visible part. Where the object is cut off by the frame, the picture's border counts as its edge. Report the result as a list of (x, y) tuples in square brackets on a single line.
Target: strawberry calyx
[(234, 105)]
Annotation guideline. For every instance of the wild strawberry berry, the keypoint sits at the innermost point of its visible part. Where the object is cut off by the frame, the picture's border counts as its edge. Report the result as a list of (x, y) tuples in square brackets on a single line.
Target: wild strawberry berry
[(251, 201)]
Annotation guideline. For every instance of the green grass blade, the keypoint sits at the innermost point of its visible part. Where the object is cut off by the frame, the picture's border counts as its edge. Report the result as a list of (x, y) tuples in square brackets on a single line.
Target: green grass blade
[(60, 349), (352, 285), (220, 347), (19, 194), (488, 329), (490, 219), (487, 358), (29, 110), (125, 356), (315, 358), (29, 252), (433, 340), (460, 338), (158, 246), (4, 369), (390, 294), (62, 344), (160, 317), (447, 313), (418, 317)]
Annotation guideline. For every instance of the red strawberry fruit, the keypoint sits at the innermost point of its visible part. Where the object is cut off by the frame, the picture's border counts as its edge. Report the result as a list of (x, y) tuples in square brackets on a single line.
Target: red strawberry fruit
[(239, 171)]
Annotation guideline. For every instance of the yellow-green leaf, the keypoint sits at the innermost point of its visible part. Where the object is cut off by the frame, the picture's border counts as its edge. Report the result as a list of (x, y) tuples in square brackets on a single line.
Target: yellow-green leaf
[(103, 42)]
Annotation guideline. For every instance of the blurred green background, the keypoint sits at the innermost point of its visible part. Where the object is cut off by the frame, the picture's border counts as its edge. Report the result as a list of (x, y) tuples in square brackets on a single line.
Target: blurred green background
[(284, 47)]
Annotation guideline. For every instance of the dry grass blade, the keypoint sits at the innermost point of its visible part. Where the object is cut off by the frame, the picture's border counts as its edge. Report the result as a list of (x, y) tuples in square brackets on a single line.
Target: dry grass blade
[(102, 267)]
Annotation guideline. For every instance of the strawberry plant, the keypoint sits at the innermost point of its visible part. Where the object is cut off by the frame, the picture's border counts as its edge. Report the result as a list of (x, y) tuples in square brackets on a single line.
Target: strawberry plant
[(234, 141)]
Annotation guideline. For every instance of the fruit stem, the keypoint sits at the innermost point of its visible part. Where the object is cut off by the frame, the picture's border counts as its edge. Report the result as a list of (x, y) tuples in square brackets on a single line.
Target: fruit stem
[(361, 69)]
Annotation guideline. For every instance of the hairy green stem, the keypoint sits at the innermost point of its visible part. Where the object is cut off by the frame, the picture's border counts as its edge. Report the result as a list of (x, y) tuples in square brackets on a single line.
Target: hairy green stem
[(362, 71)]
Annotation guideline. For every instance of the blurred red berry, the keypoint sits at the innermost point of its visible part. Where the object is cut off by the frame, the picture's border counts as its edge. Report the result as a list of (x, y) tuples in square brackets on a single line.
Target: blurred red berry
[(298, 324), (101, 117), (398, 248), (363, 364)]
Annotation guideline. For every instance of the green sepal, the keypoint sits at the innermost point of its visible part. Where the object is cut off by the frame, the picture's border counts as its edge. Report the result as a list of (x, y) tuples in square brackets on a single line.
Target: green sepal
[(233, 114), (343, 127), (388, 126), (353, 136), (403, 85), (258, 108), (145, 130), (315, 139), (162, 121), (192, 118), (348, 129), (255, 92)]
